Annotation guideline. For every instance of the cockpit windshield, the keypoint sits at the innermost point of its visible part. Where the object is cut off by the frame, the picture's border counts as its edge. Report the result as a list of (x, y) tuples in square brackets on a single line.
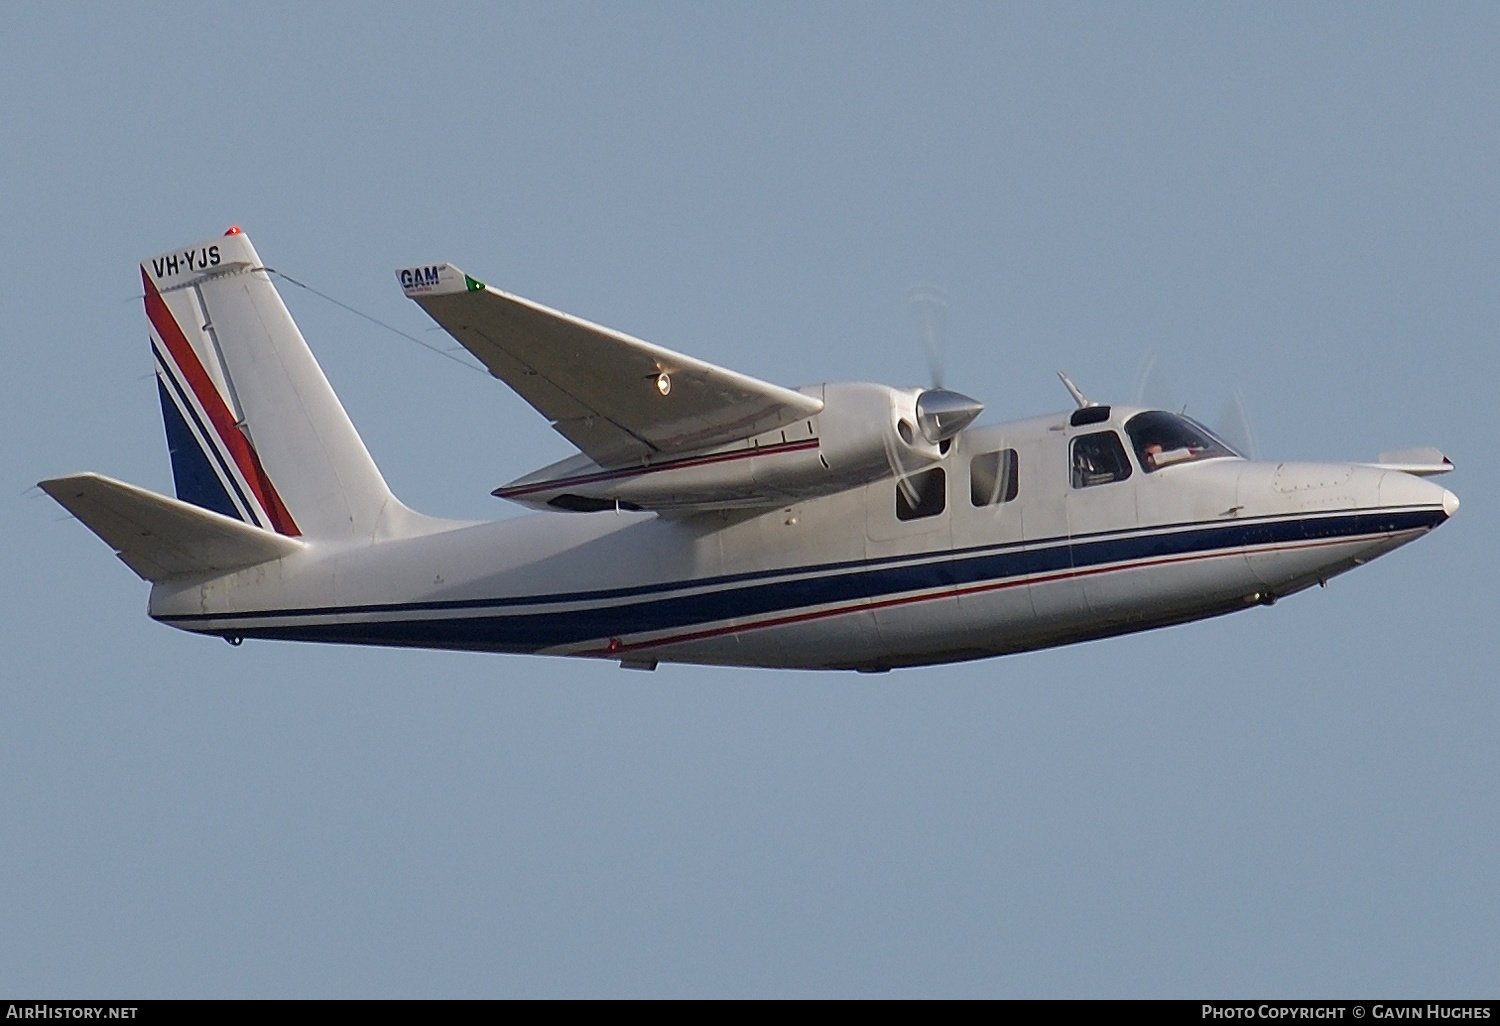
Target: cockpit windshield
[(1162, 439)]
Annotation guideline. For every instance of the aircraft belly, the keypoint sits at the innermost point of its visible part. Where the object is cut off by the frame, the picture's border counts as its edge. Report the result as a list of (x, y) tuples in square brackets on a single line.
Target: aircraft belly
[(1284, 569), (835, 641)]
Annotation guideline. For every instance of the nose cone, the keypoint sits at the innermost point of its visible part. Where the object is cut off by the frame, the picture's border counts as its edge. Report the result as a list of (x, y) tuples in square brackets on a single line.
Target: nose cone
[(1307, 522), (1407, 491), (1450, 502)]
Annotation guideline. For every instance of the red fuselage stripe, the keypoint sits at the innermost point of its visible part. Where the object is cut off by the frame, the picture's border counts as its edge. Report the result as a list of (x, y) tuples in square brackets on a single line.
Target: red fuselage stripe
[(972, 589), (697, 461)]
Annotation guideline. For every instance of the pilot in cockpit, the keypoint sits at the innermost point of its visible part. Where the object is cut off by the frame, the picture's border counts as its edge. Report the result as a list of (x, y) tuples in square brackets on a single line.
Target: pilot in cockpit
[(1162, 439)]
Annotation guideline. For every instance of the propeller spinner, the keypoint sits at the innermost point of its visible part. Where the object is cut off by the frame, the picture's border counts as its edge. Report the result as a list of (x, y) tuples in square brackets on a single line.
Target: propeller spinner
[(943, 413)]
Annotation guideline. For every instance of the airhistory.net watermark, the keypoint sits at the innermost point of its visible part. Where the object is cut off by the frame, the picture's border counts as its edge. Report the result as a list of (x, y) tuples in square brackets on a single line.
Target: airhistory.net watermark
[(44, 1010)]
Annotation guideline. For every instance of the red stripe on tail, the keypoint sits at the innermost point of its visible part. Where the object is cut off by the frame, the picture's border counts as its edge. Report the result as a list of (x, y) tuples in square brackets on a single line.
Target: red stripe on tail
[(233, 440)]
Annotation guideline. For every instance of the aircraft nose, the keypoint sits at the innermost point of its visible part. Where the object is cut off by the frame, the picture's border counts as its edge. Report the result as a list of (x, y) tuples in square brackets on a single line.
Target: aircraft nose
[(1450, 502), (1398, 489)]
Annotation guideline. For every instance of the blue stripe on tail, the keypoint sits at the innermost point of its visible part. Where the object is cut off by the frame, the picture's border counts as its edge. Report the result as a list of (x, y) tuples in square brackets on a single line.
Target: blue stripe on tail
[(191, 470)]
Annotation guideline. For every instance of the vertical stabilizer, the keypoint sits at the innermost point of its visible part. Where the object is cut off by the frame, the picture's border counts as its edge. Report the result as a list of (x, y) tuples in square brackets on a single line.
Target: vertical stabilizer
[(255, 431)]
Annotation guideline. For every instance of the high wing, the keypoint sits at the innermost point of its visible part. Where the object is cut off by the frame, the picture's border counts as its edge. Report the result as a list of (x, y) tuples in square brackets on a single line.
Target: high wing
[(619, 399)]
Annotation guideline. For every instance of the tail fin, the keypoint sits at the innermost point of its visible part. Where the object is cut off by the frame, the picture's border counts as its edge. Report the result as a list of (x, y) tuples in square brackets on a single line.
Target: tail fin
[(255, 431)]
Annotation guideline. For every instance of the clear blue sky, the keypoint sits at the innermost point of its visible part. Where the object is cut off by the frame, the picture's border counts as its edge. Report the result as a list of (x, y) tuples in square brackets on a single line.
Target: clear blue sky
[(1295, 202)]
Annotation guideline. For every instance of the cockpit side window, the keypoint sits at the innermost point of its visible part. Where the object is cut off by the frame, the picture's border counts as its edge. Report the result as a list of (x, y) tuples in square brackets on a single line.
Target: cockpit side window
[(1099, 458), (1161, 439)]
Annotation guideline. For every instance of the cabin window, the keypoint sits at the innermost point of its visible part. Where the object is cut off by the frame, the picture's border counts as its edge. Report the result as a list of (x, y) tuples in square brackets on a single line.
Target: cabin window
[(993, 478), (921, 495), (1099, 458)]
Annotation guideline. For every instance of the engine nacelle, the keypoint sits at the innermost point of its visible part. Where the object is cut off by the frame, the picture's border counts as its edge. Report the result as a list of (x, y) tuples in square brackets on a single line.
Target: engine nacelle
[(867, 427), (865, 432)]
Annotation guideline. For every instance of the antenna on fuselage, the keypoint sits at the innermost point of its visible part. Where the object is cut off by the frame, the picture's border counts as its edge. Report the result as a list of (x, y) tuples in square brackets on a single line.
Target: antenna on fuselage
[(1078, 397)]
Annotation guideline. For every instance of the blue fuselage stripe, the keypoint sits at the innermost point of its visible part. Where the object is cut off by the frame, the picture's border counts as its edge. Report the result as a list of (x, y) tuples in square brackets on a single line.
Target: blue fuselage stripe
[(738, 597)]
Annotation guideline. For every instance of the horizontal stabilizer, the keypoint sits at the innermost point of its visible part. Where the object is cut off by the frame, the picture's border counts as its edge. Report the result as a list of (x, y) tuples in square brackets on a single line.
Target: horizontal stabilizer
[(158, 537), (1423, 461)]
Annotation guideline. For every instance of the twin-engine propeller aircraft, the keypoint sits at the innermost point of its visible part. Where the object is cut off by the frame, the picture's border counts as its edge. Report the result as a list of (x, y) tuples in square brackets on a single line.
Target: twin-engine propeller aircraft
[(708, 517)]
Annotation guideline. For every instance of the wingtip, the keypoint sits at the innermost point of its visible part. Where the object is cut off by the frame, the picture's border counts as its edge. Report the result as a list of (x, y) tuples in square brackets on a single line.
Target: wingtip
[(436, 280)]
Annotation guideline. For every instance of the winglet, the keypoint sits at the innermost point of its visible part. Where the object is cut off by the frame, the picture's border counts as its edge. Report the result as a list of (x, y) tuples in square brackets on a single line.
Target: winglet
[(436, 280)]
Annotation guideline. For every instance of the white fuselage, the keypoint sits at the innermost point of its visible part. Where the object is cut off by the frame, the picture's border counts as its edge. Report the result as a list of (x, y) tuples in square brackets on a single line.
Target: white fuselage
[(839, 581)]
